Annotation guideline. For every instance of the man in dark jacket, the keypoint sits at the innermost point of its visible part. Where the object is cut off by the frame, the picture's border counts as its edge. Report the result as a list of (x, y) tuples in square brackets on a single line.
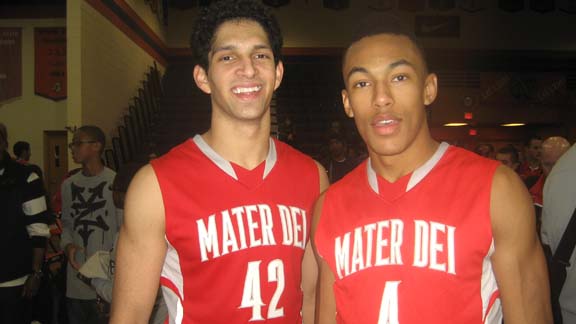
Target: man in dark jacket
[(24, 219)]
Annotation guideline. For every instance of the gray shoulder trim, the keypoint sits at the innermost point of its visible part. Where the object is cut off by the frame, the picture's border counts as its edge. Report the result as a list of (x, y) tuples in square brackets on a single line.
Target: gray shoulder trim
[(223, 164), (226, 166), (417, 175), (422, 171)]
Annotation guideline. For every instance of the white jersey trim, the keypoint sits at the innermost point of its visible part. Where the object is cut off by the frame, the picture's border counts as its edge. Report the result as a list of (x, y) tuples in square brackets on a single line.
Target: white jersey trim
[(172, 270), (226, 166), (491, 306), (173, 305), (422, 171), (416, 176)]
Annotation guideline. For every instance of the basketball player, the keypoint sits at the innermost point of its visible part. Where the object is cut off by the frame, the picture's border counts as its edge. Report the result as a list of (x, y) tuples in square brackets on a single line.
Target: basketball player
[(224, 218), (421, 232)]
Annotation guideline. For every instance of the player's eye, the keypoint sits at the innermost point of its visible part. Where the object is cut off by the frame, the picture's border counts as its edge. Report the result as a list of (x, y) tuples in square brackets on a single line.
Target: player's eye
[(400, 78), (361, 84)]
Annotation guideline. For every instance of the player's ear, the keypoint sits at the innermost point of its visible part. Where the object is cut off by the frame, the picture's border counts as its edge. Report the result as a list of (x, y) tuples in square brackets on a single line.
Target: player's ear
[(430, 88), (346, 102), (201, 79), (279, 74)]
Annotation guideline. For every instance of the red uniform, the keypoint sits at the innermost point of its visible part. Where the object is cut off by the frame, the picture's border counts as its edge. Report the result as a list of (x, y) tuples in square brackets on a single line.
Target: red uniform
[(537, 191), (416, 250), (235, 237)]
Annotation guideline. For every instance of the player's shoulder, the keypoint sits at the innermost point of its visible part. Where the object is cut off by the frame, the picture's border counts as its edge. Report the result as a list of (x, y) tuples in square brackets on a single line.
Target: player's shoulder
[(292, 156), (181, 153), (505, 179), (288, 150), (145, 180), (466, 162)]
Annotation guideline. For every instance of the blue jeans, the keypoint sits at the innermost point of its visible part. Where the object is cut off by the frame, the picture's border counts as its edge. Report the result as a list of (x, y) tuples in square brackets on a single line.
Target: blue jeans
[(84, 312)]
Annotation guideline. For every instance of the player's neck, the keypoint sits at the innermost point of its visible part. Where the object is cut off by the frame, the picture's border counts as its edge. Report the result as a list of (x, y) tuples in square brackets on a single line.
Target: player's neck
[(92, 168), (247, 145), (394, 167)]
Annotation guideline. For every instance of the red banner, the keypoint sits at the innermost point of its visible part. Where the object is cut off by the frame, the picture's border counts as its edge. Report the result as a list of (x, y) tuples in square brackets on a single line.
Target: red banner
[(50, 58), (10, 63)]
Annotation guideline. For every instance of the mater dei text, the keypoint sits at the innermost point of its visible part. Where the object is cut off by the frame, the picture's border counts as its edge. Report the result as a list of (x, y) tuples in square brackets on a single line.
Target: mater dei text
[(380, 243), (250, 226)]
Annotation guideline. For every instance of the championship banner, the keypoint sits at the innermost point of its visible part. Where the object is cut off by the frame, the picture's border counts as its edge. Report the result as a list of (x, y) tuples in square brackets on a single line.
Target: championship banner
[(10, 63), (50, 59)]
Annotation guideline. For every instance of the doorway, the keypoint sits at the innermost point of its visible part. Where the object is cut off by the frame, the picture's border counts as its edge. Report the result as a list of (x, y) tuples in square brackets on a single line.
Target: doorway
[(55, 160)]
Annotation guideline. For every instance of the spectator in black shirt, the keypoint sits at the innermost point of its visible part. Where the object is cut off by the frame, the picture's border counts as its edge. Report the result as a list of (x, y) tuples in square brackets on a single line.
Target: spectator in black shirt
[(24, 219)]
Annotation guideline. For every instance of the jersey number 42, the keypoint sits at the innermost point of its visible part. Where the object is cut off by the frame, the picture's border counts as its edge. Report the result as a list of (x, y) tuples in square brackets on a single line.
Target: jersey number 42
[(252, 296)]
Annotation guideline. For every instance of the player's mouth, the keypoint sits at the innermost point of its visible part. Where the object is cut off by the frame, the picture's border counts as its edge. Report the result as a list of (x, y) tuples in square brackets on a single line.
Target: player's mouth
[(247, 92), (386, 125)]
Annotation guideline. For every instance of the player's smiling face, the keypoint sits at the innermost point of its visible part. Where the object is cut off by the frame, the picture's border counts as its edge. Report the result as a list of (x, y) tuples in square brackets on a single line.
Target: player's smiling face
[(242, 76), (387, 88)]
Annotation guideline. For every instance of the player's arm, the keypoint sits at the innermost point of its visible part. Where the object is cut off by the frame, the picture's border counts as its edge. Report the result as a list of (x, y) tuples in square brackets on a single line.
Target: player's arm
[(325, 302), (309, 266), (518, 259), (141, 251)]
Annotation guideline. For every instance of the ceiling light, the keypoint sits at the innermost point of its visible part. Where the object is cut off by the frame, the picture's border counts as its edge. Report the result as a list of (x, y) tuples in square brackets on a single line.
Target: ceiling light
[(455, 124), (513, 124)]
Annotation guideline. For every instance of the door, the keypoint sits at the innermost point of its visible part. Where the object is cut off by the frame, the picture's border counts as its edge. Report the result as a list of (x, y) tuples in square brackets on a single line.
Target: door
[(55, 159)]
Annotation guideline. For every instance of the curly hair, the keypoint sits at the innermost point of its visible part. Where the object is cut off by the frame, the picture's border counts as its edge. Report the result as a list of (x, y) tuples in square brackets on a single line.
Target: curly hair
[(219, 12)]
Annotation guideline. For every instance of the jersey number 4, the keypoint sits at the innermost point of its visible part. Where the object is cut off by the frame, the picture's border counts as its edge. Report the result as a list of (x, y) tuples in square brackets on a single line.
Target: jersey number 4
[(389, 304), (252, 296)]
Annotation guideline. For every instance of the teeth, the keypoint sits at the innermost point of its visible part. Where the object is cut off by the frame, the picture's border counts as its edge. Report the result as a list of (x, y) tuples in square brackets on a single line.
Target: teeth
[(245, 90), (385, 122)]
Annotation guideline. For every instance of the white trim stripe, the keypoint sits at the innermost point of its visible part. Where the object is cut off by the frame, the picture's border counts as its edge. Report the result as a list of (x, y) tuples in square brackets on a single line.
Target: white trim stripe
[(173, 305), (226, 166), (14, 283), (33, 176), (214, 157), (416, 176), (372, 178), (270, 159), (34, 206), (38, 229), (172, 269), (488, 288), (422, 171), (494, 315)]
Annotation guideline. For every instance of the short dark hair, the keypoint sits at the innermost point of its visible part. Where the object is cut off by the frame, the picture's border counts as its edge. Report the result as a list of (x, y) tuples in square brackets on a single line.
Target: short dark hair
[(488, 145), (530, 138), (378, 23), (221, 11), (19, 148), (95, 134), (509, 149)]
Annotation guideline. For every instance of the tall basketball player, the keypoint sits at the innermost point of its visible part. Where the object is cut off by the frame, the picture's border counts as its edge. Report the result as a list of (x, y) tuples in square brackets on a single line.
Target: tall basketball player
[(223, 220), (421, 232)]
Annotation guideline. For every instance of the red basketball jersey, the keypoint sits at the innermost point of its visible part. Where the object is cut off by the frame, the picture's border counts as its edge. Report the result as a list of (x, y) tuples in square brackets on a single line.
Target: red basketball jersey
[(413, 251), (235, 237)]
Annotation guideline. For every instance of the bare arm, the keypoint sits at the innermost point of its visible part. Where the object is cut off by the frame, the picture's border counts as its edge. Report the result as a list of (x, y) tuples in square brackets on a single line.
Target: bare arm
[(518, 259), (309, 266), (141, 251), (325, 302)]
